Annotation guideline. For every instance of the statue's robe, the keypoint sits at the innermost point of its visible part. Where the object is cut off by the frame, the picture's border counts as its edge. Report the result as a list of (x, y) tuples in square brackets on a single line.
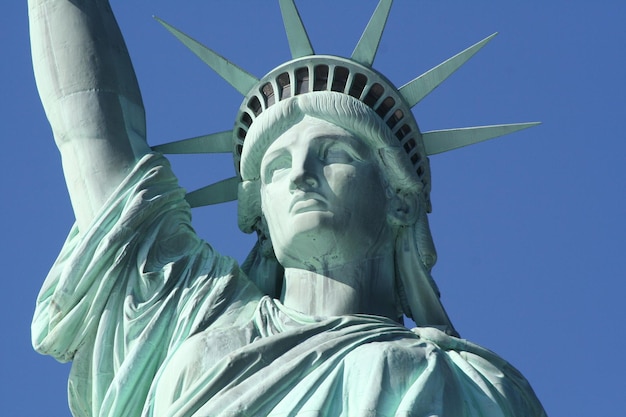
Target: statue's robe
[(159, 324)]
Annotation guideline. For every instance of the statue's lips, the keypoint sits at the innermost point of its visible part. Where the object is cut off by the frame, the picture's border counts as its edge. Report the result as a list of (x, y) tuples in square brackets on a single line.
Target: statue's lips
[(309, 201)]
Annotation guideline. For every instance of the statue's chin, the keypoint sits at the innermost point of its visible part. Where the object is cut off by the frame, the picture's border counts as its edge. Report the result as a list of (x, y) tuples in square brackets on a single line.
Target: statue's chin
[(322, 252)]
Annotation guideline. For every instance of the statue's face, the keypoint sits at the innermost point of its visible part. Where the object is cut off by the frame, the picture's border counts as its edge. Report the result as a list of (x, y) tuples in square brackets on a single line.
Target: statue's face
[(322, 197)]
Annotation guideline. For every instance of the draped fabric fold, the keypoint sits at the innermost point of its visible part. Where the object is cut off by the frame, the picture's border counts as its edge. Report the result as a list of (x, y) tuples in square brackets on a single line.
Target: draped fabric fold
[(159, 324)]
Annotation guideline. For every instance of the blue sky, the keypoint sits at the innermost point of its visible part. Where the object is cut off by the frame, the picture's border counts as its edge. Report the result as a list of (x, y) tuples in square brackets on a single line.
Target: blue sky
[(529, 228)]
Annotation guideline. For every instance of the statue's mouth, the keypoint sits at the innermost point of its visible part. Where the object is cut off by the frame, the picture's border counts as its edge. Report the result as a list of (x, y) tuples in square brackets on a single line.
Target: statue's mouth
[(309, 201)]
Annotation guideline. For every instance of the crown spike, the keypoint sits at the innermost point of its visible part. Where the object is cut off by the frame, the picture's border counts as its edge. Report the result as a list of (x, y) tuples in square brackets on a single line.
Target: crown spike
[(439, 141), (221, 142), (365, 50), (242, 80), (414, 91), (299, 42), (220, 192)]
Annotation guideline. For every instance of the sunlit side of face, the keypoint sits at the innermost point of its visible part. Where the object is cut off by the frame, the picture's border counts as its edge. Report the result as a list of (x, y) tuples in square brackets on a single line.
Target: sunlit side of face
[(323, 197)]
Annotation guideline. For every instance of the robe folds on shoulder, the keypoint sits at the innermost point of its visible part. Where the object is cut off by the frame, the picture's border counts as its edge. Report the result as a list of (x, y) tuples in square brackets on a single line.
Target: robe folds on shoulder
[(159, 324)]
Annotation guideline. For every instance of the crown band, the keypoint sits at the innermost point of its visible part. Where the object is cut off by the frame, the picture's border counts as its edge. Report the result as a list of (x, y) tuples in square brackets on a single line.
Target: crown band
[(332, 73)]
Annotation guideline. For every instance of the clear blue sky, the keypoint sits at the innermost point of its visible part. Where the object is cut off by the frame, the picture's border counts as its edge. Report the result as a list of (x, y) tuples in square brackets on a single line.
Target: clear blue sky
[(529, 228)]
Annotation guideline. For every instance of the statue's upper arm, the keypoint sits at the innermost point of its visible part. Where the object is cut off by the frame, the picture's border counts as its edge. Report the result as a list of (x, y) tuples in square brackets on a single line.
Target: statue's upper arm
[(90, 94)]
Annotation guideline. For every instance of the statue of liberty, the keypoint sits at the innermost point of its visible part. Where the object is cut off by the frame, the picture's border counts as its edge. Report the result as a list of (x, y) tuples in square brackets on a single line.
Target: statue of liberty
[(333, 177)]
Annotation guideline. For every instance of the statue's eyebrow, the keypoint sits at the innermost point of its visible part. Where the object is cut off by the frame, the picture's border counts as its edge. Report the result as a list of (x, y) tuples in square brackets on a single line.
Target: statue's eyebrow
[(345, 137), (348, 139), (270, 156)]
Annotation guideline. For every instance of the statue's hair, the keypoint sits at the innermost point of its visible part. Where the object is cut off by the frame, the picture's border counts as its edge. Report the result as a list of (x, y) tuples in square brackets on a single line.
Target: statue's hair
[(415, 253)]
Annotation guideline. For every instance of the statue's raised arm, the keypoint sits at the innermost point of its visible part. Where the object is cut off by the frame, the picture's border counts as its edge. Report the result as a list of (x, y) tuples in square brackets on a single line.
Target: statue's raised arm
[(90, 94)]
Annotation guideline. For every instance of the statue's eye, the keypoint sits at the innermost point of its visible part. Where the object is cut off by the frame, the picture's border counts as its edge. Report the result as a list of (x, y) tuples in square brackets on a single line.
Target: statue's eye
[(275, 167), (338, 153)]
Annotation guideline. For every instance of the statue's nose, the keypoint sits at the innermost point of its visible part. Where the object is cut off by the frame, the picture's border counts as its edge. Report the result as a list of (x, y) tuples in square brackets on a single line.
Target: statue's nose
[(303, 173)]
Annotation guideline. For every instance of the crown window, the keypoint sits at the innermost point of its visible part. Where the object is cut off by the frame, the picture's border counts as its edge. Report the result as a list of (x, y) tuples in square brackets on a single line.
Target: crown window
[(340, 79), (246, 119), (358, 85), (385, 106), (403, 131), (320, 78), (285, 84), (255, 105), (374, 93), (302, 80), (268, 94)]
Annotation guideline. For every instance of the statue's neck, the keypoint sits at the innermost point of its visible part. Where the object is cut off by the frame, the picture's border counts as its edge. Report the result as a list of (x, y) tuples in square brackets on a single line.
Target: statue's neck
[(363, 287)]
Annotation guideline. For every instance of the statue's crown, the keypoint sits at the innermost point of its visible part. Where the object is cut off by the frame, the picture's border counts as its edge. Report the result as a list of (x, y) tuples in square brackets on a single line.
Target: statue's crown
[(307, 72)]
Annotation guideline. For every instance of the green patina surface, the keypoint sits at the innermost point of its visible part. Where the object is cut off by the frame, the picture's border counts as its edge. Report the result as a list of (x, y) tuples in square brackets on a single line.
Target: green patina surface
[(333, 177)]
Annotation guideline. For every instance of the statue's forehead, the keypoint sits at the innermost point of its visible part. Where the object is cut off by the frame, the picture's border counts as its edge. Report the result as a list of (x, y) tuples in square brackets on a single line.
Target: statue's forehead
[(314, 135), (311, 129)]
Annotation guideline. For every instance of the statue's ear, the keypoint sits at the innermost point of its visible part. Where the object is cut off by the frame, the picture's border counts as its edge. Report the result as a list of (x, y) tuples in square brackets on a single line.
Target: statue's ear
[(265, 241), (402, 209), (248, 205)]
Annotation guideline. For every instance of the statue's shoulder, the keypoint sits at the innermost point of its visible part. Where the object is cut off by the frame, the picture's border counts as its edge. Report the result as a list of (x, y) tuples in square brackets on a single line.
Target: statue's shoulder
[(486, 371)]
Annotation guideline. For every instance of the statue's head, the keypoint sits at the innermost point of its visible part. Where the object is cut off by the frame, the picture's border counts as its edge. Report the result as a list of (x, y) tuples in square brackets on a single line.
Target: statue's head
[(371, 194), (344, 93), (324, 176), (324, 168)]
